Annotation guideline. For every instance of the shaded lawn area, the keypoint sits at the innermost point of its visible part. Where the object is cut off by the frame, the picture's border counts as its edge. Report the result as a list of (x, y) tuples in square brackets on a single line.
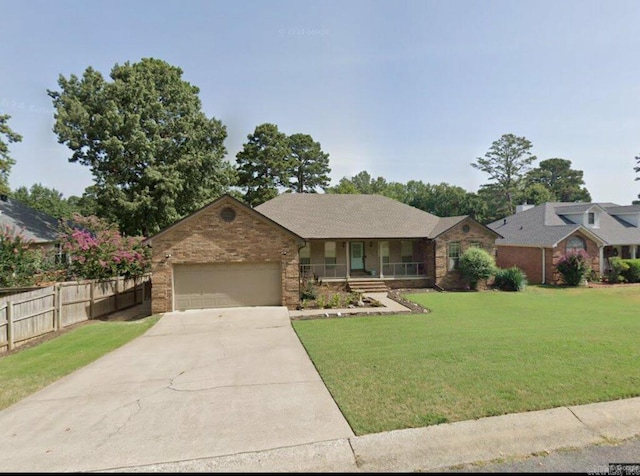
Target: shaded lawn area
[(33, 368), (479, 354)]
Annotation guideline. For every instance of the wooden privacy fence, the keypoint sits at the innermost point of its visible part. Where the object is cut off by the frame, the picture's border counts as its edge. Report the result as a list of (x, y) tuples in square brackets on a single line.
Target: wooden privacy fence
[(34, 313)]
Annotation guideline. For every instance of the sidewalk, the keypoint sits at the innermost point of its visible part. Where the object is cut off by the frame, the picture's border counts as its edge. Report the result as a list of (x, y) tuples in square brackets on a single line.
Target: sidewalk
[(439, 447)]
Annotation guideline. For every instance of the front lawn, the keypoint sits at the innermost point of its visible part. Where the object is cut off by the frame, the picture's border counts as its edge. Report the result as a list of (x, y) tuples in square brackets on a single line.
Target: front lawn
[(479, 354)]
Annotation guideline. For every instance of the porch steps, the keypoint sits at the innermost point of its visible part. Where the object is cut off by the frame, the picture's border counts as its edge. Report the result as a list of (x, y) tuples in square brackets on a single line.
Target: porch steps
[(367, 286)]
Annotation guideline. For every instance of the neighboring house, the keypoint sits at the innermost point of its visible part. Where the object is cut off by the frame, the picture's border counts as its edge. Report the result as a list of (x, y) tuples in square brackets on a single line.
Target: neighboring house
[(40, 228), (227, 254), (535, 238)]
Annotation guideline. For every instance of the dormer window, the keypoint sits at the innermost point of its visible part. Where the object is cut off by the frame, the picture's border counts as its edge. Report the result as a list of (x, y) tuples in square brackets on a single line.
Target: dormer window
[(591, 218)]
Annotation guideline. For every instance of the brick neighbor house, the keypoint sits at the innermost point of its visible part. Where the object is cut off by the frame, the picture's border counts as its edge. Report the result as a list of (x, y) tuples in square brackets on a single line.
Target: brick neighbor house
[(535, 238), (228, 254)]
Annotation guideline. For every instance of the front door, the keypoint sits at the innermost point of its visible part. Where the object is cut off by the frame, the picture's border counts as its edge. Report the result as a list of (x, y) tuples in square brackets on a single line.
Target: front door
[(357, 255)]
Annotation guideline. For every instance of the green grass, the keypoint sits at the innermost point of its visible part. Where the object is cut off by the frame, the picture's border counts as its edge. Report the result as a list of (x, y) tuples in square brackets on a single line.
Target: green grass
[(479, 354), (28, 370)]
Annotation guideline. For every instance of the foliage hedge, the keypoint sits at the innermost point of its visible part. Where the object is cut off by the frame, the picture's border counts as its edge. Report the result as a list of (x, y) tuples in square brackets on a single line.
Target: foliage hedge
[(624, 270)]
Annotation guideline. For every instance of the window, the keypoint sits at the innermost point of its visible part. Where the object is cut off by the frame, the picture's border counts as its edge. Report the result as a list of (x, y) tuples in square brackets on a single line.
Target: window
[(330, 253), (384, 251), (591, 218), (454, 255), (576, 243), (475, 244), (406, 251), (305, 254)]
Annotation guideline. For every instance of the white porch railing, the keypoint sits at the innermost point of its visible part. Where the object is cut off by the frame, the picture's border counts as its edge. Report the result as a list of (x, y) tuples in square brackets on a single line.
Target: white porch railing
[(323, 270), (394, 270), (389, 270)]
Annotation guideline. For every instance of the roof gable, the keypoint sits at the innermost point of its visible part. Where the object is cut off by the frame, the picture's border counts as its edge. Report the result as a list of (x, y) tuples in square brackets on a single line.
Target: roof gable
[(219, 201)]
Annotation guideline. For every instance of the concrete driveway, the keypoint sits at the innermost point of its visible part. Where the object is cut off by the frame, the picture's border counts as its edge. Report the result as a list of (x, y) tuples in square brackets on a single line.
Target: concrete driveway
[(199, 384)]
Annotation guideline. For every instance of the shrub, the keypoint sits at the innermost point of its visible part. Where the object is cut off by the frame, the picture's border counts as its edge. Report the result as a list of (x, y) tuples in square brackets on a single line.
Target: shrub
[(632, 272), (574, 267), (617, 270), (510, 279), (476, 264), (309, 291), (19, 264)]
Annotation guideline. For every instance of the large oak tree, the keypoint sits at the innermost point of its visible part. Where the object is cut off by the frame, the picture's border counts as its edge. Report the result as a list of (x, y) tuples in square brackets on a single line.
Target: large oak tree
[(154, 155)]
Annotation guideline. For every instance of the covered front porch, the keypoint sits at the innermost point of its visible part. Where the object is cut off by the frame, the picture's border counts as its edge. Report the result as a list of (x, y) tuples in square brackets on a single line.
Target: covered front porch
[(353, 259)]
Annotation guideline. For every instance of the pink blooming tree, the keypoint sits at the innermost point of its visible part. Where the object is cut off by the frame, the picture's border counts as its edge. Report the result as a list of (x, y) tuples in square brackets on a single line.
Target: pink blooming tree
[(95, 249), (574, 267)]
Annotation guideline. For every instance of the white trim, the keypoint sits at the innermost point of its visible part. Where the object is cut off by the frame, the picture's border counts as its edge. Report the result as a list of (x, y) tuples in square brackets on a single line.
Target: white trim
[(601, 257)]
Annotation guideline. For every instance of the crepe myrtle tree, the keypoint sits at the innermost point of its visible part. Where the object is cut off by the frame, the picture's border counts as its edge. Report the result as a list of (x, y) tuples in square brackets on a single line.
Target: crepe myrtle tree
[(96, 249)]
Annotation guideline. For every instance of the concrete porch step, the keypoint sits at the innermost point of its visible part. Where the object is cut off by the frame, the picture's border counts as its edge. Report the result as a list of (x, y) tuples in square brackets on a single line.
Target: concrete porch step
[(367, 286)]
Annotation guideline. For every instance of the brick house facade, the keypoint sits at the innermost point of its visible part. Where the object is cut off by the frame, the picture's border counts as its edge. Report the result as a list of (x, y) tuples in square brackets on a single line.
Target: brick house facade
[(467, 233), (228, 254), (205, 237)]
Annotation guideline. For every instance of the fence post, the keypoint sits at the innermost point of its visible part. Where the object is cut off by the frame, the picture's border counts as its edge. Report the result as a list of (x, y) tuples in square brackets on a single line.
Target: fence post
[(10, 325), (58, 313), (115, 296), (91, 299)]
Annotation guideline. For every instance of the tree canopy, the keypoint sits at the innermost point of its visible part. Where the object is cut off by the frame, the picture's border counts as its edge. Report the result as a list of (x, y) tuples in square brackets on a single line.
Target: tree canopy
[(154, 155), (271, 161), (506, 162), (47, 200), (557, 176), (7, 136), (308, 165), (262, 164), (439, 199)]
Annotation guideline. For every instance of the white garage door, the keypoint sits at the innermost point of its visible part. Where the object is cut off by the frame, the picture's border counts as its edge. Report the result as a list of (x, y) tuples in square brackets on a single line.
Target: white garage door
[(203, 286)]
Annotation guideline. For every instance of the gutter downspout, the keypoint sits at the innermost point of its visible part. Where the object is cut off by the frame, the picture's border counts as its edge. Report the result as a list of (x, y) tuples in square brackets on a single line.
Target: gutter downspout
[(544, 267)]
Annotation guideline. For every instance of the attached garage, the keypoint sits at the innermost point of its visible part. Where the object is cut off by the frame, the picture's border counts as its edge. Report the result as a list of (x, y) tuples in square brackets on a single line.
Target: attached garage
[(204, 286), (224, 255)]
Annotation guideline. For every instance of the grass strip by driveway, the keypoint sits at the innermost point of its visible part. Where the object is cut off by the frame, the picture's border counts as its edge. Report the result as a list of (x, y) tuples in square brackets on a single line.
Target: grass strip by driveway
[(31, 369), (479, 354)]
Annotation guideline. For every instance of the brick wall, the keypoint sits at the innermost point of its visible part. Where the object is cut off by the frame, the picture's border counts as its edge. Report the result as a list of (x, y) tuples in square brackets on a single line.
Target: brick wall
[(452, 279), (205, 238), (529, 259)]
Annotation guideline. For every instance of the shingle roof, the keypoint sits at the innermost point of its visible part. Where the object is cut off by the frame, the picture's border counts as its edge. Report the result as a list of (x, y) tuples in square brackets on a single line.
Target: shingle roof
[(547, 224), (324, 216), (32, 224), (622, 209)]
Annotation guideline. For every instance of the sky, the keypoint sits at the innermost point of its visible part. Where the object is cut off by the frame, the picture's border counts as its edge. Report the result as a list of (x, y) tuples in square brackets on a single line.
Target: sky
[(406, 90)]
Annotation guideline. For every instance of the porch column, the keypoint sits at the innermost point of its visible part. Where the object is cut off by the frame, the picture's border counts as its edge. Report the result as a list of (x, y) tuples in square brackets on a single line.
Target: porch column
[(601, 256), (634, 251), (348, 260), (380, 258)]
